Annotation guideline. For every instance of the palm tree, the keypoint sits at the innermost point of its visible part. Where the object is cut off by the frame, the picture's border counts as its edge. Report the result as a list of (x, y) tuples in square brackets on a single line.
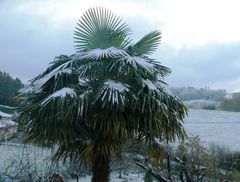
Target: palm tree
[(110, 91)]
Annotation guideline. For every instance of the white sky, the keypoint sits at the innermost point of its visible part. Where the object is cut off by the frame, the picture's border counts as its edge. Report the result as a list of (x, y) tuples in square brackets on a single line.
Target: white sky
[(187, 26), (183, 22)]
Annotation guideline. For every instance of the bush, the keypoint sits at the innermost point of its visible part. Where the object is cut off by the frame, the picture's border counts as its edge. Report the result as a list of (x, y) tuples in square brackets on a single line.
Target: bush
[(232, 104), (209, 107)]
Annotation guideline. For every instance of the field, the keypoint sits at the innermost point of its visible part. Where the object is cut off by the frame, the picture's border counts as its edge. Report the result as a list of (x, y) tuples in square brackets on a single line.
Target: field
[(218, 127)]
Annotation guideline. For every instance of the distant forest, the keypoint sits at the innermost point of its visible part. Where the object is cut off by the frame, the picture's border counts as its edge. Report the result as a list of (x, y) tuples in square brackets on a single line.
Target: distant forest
[(191, 93), (8, 89)]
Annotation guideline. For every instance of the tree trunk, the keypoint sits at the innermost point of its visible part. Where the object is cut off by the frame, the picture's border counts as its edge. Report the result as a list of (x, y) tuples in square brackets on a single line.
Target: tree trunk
[(101, 168), (169, 168)]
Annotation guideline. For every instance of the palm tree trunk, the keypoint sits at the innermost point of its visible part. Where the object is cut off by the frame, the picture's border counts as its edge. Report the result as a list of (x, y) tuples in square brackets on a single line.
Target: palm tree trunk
[(101, 168)]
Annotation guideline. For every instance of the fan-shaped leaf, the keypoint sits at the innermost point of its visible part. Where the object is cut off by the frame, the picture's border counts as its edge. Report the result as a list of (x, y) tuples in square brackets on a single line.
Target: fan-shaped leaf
[(147, 45), (100, 28)]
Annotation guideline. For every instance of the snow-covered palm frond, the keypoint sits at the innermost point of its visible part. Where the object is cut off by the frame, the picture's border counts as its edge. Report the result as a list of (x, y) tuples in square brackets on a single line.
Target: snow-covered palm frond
[(97, 54), (149, 84), (38, 82), (116, 86), (83, 102), (113, 92), (61, 61), (91, 70), (139, 62), (147, 45), (61, 94), (144, 64), (100, 28), (83, 81), (162, 71), (160, 115)]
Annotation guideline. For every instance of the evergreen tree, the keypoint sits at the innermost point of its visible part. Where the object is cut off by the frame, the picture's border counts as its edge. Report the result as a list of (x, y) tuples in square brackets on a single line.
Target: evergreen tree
[(108, 92), (8, 89)]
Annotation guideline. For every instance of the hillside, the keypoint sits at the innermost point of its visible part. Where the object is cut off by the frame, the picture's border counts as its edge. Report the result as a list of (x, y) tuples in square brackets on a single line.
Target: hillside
[(8, 89)]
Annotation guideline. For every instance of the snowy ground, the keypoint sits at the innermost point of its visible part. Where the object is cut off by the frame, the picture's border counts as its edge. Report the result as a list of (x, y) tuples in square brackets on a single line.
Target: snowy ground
[(220, 127), (6, 123), (6, 152), (9, 151), (132, 177)]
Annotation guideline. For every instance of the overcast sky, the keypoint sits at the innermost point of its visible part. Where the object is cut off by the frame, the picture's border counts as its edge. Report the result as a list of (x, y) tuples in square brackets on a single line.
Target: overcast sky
[(200, 38)]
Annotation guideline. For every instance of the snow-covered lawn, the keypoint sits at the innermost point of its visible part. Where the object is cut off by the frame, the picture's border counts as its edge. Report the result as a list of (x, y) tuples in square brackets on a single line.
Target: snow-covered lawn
[(131, 177), (220, 127)]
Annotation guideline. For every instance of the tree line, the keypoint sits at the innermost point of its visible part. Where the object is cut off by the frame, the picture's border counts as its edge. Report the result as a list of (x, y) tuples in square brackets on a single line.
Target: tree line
[(191, 93), (8, 88)]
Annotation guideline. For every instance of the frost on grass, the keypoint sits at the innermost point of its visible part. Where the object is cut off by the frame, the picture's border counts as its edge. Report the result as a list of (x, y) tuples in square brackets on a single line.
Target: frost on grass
[(102, 53), (131, 176), (60, 93)]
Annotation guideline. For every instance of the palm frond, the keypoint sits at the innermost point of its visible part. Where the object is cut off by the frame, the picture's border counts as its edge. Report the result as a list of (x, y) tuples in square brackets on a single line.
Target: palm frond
[(147, 45), (100, 28), (97, 54)]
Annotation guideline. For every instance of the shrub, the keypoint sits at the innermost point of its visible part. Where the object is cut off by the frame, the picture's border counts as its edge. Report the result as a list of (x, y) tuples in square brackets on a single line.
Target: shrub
[(209, 107)]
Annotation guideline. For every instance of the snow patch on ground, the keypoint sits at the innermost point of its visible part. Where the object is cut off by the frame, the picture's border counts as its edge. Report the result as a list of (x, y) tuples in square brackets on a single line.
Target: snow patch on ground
[(114, 177), (219, 127), (4, 124)]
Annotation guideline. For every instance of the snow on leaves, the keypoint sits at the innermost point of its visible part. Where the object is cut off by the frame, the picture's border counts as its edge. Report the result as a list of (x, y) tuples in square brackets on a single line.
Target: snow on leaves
[(139, 62), (102, 53), (36, 85), (83, 81), (149, 84), (116, 86), (62, 93), (113, 91)]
